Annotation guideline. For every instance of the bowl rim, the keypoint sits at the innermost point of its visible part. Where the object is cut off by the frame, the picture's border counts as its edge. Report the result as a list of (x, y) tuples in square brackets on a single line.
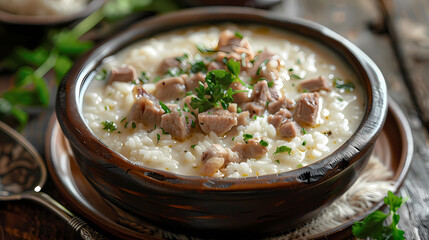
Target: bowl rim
[(17, 19), (81, 137)]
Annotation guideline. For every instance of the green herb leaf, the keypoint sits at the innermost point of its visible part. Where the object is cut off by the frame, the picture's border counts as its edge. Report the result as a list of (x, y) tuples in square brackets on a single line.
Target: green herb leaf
[(304, 143), (164, 107), (263, 143), (246, 137), (340, 84), (239, 35), (282, 149), (109, 126), (198, 67), (262, 65), (193, 146), (158, 137), (277, 161), (372, 226), (233, 67), (133, 125), (294, 76), (203, 49), (303, 130)]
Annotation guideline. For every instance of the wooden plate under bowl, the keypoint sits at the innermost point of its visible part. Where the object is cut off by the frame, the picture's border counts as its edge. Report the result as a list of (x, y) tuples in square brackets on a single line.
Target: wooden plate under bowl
[(394, 147)]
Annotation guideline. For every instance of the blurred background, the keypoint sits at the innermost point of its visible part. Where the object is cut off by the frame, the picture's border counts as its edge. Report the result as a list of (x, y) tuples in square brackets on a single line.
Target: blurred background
[(40, 39)]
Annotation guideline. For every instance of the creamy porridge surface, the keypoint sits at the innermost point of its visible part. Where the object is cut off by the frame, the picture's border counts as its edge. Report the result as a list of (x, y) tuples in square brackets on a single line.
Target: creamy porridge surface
[(296, 102)]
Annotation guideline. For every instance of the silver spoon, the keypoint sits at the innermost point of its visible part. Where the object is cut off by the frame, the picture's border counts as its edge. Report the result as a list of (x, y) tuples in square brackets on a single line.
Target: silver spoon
[(23, 174)]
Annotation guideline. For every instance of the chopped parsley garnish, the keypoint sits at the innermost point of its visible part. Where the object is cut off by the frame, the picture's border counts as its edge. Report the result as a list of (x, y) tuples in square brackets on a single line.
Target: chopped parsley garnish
[(180, 112), (233, 138), (239, 110), (372, 226), (246, 137), (144, 78), (303, 130), (187, 121), (270, 84), (185, 107), (305, 90), (109, 126), (263, 143), (266, 104), (182, 58), (277, 161), (106, 108), (294, 76), (164, 132), (340, 99), (158, 137), (126, 124), (304, 143), (261, 66), (164, 107), (203, 49), (239, 35), (290, 69), (282, 149), (101, 75), (198, 67), (299, 166), (254, 117), (217, 91), (193, 146), (123, 119), (340, 84), (156, 79), (189, 93), (192, 123), (133, 125)]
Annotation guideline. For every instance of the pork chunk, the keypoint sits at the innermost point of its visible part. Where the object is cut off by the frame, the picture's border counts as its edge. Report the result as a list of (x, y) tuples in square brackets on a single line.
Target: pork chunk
[(170, 88), (146, 108), (214, 66), (211, 166), (177, 123), (307, 109), (266, 66), (218, 121), (254, 108), (251, 149), (243, 118), (230, 43), (240, 97), (215, 157), (279, 118), (315, 84), (194, 81), (262, 93), (282, 102), (123, 74), (168, 63), (289, 130)]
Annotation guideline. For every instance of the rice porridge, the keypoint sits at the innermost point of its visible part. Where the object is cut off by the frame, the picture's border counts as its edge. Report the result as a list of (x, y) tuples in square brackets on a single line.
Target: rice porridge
[(228, 101)]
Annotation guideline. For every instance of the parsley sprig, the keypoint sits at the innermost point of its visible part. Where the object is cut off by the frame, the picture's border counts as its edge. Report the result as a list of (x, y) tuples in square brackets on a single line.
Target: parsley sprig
[(218, 91), (372, 226)]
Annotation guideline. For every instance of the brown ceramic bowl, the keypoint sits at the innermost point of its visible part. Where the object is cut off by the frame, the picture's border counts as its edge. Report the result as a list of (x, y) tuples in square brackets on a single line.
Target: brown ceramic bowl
[(253, 205), (28, 20)]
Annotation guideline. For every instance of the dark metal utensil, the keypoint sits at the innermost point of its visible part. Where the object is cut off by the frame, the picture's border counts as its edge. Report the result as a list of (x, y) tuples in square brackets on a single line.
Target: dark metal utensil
[(23, 174)]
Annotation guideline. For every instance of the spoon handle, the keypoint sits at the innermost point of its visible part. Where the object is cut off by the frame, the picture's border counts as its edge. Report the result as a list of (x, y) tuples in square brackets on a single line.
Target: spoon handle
[(79, 225)]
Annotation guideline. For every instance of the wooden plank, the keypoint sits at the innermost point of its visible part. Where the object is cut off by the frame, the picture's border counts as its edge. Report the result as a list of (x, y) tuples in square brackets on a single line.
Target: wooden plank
[(352, 19), (408, 23)]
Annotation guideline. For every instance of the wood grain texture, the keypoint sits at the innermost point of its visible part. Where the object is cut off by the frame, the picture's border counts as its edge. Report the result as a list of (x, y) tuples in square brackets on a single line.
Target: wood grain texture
[(352, 20)]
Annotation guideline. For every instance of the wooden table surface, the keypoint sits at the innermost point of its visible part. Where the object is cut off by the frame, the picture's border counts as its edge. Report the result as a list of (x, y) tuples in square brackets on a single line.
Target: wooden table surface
[(394, 33)]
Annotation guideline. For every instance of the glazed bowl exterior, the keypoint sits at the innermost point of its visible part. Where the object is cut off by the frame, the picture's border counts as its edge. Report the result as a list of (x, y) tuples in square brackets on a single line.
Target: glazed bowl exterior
[(252, 205)]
